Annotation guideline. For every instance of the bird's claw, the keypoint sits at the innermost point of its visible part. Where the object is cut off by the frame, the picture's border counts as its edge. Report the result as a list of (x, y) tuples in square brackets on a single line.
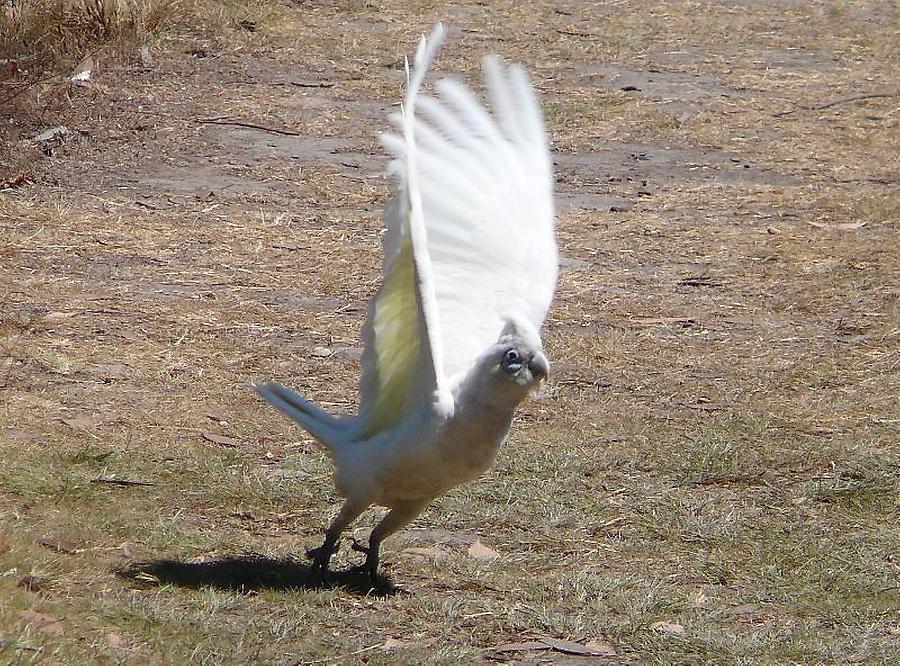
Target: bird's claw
[(370, 566), (320, 556), (368, 570), (323, 553)]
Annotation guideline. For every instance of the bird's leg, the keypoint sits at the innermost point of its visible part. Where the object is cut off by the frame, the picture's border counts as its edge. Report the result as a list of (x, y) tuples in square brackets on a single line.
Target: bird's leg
[(321, 556), (399, 516)]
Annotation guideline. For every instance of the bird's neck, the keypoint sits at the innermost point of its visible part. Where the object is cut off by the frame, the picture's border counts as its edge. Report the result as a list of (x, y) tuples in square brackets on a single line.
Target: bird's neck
[(479, 397)]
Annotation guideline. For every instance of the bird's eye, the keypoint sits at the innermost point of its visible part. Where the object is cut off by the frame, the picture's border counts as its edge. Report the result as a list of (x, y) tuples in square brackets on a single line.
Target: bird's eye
[(512, 361)]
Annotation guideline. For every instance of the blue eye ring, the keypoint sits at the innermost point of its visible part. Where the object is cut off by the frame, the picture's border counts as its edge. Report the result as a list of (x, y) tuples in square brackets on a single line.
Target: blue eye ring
[(512, 361)]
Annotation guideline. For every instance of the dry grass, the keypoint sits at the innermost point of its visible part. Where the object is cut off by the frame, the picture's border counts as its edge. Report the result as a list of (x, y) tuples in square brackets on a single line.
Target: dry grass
[(47, 37), (718, 449), (53, 28), (41, 41)]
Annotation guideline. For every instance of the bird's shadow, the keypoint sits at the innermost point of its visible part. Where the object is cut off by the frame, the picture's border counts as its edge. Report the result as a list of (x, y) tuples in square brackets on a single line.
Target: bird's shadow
[(252, 572)]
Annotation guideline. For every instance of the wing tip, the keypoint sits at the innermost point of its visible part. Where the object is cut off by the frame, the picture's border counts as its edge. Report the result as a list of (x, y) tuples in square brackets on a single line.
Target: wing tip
[(266, 388)]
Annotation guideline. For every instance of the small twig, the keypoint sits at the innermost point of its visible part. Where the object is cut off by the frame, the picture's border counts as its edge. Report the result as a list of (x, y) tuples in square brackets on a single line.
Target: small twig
[(576, 33), (310, 84), (702, 406), (298, 84), (241, 123), (116, 481), (835, 102), (18, 645), (847, 100)]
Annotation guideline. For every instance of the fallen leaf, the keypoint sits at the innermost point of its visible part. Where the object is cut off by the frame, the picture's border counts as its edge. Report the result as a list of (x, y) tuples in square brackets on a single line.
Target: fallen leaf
[(80, 423), (601, 648), (44, 623), (82, 74), (571, 647), (439, 536), (843, 226), (520, 647), (59, 316), (433, 551), (16, 181), (348, 353), (589, 649), (58, 132), (664, 627), (59, 546), (481, 552), (220, 439)]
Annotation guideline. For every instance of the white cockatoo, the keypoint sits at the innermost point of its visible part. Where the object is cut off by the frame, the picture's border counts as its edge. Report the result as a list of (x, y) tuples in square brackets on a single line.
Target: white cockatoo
[(451, 337)]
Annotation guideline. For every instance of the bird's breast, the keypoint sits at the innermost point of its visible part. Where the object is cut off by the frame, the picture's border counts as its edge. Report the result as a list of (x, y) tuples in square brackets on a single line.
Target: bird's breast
[(458, 450)]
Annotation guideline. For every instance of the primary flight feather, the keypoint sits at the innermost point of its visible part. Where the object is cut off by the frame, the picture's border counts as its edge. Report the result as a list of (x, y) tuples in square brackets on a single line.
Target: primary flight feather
[(451, 338)]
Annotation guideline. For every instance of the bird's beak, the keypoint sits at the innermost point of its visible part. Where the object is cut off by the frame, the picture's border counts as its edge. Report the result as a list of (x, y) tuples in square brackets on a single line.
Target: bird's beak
[(539, 366)]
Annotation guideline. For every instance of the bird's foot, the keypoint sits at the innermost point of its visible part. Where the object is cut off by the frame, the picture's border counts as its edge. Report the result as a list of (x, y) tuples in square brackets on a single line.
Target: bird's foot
[(358, 547), (370, 566), (320, 556)]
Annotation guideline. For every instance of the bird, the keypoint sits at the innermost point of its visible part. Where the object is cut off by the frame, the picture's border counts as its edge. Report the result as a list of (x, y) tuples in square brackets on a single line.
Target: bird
[(451, 338)]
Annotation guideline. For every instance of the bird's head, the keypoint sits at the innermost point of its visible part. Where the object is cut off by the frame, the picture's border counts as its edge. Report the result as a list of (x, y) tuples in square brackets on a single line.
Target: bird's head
[(518, 360)]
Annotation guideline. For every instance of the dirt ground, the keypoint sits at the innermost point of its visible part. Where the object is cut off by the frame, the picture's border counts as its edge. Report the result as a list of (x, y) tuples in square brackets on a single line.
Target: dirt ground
[(710, 476)]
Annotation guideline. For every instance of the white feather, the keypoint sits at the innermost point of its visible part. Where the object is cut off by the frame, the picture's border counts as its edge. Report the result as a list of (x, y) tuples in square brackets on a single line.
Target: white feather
[(476, 194)]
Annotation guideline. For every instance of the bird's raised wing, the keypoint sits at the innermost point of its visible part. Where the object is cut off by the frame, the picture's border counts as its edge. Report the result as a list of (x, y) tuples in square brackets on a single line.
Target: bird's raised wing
[(402, 359), (471, 226)]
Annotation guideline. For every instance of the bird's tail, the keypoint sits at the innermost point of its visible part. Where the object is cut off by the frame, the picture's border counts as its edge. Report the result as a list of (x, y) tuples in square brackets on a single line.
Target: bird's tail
[(325, 428)]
